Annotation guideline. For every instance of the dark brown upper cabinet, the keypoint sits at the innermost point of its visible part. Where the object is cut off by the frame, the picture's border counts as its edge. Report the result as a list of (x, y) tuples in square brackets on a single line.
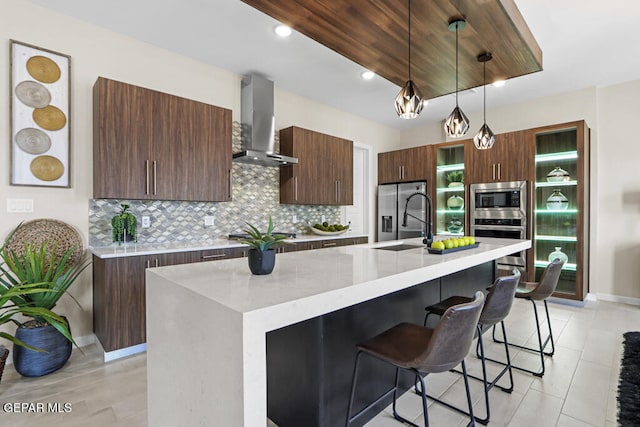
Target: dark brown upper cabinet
[(324, 173), (508, 160), (411, 164), (152, 145)]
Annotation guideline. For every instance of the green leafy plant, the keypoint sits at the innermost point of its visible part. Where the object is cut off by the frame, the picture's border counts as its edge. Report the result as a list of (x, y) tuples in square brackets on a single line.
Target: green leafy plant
[(32, 283), (34, 280), (124, 222), (455, 176), (263, 241)]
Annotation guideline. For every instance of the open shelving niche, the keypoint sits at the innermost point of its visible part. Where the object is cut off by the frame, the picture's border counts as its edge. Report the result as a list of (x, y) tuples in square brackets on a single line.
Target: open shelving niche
[(556, 228), (450, 159)]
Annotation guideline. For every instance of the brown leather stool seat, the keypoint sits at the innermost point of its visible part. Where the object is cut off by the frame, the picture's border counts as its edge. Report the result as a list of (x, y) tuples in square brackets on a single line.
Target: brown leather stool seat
[(496, 308), (539, 291), (422, 350)]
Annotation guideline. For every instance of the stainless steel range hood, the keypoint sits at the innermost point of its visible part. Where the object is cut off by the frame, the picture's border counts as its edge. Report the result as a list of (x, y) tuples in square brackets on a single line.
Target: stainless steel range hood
[(258, 125)]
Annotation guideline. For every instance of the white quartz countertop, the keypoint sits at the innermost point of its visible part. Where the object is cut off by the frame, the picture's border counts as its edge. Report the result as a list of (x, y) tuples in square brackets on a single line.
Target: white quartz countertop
[(133, 249), (306, 284)]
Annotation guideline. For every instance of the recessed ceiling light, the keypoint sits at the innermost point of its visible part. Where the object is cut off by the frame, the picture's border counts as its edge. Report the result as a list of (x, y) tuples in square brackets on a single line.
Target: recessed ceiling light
[(367, 75), (282, 30), (499, 83)]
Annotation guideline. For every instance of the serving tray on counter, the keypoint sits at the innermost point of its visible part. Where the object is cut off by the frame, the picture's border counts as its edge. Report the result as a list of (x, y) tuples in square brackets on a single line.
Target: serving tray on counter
[(448, 251)]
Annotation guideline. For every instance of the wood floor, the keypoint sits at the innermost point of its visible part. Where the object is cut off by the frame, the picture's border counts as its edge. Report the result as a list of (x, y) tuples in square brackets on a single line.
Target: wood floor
[(579, 388)]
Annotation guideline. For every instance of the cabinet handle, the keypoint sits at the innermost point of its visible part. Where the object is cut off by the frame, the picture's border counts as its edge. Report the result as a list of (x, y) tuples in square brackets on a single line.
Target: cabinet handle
[(403, 175), (295, 187), (148, 264), (230, 183), (155, 175), (157, 263), (499, 172), (335, 187), (205, 257), (146, 180), (493, 171), (326, 245), (339, 190), (399, 172)]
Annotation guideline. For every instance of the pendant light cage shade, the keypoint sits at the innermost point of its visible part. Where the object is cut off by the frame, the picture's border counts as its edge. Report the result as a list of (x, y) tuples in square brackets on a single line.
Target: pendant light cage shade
[(457, 124), (409, 101), (484, 139)]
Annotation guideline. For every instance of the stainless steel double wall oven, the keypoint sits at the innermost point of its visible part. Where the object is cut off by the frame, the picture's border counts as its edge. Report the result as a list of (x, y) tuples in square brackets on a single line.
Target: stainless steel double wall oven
[(499, 209)]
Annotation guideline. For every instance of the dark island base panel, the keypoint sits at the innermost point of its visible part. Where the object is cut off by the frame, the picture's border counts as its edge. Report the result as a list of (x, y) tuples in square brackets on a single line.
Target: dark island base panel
[(310, 364)]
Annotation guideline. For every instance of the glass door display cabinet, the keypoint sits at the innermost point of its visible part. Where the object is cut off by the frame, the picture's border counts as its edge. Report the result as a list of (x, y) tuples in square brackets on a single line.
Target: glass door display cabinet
[(450, 190), (561, 205)]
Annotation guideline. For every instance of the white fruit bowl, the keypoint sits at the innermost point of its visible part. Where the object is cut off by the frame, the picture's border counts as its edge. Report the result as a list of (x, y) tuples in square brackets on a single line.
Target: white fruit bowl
[(328, 233)]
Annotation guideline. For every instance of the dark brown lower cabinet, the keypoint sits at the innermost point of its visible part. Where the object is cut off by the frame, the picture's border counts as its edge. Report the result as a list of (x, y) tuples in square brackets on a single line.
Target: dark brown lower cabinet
[(119, 300)]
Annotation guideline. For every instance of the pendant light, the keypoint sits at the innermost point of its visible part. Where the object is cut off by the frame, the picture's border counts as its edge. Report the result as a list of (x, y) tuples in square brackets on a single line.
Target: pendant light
[(457, 124), (485, 138), (409, 100)]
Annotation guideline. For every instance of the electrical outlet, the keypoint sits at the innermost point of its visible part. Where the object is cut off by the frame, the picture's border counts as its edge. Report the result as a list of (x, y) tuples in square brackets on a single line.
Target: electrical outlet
[(294, 219), (209, 220), (146, 222)]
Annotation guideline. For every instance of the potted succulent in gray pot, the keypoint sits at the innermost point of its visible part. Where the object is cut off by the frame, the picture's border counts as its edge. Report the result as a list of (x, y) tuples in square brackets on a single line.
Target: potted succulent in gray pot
[(262, 255), (42, 344)]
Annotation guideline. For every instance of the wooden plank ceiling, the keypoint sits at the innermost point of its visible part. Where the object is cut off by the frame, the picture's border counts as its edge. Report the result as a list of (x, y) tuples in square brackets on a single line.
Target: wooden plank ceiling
[(374, 34)]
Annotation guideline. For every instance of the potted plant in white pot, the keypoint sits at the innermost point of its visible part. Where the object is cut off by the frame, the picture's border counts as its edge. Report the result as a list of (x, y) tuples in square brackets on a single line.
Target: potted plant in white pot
[(262, 255), (45, 340)]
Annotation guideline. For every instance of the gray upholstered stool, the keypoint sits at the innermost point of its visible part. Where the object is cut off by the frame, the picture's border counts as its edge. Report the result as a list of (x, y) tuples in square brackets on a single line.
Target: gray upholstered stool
[(422, 350)]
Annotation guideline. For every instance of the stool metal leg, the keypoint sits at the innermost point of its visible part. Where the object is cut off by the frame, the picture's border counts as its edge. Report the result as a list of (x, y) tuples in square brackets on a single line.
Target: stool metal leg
[(541, 344), (393, 390)]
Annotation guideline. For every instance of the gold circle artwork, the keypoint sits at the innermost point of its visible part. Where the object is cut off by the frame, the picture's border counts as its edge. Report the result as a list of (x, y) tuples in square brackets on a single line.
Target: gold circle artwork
[(47, 168), (43, 69), (49, 118), (33, 141), (33, 94)]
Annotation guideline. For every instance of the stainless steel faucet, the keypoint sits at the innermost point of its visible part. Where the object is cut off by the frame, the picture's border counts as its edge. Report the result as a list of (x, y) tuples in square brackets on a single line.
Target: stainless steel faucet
[(427, 221)]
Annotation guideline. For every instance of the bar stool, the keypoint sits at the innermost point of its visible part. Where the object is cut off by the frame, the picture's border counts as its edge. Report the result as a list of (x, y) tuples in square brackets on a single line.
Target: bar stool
[(539, 291), (496, 308), (419, 349)]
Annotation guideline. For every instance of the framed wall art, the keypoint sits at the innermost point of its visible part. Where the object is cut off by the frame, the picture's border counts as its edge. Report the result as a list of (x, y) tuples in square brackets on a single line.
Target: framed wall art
[(40, 116)]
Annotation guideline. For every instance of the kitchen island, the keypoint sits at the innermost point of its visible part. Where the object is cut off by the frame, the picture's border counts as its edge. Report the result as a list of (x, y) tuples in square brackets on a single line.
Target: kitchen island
[(208, 325)]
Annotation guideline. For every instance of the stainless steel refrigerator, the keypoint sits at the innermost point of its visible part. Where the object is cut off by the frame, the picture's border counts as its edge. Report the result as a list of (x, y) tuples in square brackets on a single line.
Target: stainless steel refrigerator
[(391, 203)]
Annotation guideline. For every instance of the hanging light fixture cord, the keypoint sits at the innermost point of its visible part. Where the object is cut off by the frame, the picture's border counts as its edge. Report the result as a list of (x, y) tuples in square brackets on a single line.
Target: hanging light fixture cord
[(457, 23), (484, 95), (409, 39)]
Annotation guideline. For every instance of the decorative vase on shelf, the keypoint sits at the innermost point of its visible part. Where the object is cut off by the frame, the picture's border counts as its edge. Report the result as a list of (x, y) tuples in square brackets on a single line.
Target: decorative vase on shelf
[(558, 254), (557, 201), (455, 202), (558, 175), (454, 225)]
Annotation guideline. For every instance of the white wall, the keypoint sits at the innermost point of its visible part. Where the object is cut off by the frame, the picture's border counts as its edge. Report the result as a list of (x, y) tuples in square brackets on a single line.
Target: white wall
[(96, 52), (616, 214)]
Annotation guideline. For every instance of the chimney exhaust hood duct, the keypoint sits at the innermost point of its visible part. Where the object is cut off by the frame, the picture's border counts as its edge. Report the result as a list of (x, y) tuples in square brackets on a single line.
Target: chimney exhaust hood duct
[(258, 124)]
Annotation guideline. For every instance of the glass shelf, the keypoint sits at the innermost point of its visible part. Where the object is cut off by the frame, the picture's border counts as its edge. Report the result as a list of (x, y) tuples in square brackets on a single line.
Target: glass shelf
[(451, 167), (556, 184), (451, 211), (554, 157), (450, 189), (556, 238), (567, 266), (556, 211)]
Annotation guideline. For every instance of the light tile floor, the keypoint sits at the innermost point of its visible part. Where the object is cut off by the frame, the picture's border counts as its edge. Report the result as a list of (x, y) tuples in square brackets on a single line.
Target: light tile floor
[(578, 389)]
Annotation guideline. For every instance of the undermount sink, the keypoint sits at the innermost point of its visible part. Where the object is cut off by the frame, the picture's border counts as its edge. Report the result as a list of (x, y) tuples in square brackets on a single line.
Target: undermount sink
[(400, 247)]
